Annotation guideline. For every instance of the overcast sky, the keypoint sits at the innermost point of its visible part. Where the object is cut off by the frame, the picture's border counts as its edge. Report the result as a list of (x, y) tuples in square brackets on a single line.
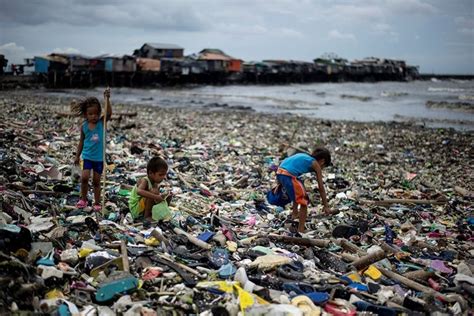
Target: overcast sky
[(437, 35)]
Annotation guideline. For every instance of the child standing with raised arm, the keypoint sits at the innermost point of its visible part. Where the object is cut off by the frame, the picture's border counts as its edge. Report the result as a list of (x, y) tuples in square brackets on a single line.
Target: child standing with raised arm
[(91, 146)]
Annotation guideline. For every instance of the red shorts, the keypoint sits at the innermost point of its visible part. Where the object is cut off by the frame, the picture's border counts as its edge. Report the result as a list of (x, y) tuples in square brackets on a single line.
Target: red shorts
[(293, 187)]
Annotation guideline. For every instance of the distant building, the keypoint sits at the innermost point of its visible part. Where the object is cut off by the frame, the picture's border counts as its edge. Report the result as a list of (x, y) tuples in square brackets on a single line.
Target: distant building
[(3, 63), (217, 60), (159, 50), (118, 63), (148, 64), (45, 64)]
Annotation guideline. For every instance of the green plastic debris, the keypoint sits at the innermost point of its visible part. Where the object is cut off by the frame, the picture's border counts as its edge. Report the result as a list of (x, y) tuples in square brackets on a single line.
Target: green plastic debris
[(161, 211)]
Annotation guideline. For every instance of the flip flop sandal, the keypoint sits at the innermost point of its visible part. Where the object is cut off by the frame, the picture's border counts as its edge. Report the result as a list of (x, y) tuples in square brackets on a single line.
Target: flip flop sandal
[(311, 226), (329, 261), (340, 307), (318, 297), (299, 288), (47, 260), (305, 305), (307, 290), (91, 224), (289, 223), (344, 231), (289, 273), (376, 309)]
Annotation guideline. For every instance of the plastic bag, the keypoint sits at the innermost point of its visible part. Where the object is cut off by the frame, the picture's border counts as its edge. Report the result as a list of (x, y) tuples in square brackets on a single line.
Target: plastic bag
[(161, 211)]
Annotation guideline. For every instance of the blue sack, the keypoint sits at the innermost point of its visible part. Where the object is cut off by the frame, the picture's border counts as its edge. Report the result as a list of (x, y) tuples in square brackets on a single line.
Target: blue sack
[(278, 196)]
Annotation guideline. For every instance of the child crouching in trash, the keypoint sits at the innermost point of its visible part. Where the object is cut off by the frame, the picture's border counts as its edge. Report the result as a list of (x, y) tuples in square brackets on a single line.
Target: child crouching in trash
[(290, 188), (145, 199)]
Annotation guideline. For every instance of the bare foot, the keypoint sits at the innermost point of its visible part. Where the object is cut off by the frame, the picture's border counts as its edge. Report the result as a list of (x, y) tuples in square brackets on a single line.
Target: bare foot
[(301, 227)]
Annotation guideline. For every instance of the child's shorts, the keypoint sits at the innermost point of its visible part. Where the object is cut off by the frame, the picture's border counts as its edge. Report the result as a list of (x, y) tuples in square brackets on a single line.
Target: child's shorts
[(137, 209), (293, 186), (97, 166)]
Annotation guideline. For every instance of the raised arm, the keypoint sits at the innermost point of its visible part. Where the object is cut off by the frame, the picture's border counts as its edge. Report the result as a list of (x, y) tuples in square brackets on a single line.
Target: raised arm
[(108, 104), (322, 191)]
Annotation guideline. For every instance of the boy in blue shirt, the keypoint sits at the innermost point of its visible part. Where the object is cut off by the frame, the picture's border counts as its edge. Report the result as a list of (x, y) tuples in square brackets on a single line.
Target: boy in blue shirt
[(288, 175)]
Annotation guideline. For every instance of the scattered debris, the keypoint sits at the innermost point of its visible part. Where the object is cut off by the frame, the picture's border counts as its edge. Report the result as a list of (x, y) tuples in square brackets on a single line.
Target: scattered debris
[(401, 241)]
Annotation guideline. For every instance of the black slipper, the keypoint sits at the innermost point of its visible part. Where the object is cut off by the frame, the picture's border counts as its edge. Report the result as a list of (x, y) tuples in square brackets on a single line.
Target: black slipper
[(344, 231)]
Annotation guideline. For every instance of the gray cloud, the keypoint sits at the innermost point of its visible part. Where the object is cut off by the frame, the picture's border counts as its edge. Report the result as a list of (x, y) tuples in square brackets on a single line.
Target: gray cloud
[(248, 29), (177, 15)]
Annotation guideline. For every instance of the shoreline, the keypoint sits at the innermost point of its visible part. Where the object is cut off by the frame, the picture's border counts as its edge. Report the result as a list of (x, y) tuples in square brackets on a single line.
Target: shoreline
[(202, 102), (276, 128)]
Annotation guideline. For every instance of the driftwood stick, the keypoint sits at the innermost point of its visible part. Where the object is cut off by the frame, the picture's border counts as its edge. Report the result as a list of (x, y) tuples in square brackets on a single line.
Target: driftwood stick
[(464, 192), (192, 239), (115, 116), (350, 247), (40, 192), (155, 233), (188, 210), (349, 257), (404, 201), (387, 248), (126, 263), (299, 241), (419, 275), (183, 266), (409, 283), (366, 261)]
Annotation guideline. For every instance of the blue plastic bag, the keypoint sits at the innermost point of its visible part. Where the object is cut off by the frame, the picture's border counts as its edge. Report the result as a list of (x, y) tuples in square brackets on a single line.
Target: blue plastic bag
[(278, 196)]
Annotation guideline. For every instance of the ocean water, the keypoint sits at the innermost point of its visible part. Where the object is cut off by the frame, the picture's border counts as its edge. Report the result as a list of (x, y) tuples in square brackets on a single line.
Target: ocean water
[(382, 101)]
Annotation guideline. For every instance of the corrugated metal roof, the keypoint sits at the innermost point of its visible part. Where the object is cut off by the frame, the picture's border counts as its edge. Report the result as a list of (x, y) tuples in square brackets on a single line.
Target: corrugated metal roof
[(149, 64), (58, 59), (70, 55), (115, 56), (211, 50), (213, 56), (164, 46)]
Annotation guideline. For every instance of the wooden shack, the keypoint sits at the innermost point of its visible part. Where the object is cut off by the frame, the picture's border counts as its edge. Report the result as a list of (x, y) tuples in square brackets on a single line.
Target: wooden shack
[(118, 63), (159, 50), (218, 61)]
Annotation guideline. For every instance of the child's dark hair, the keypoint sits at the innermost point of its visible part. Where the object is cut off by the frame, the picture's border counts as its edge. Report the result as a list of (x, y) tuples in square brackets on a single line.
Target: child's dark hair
[(322, 153), (80, 108), (156, 164)]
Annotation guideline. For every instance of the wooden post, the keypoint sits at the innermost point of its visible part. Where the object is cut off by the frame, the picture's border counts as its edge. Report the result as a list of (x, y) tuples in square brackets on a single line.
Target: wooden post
[(404, 201), (409, 283), (299, 241), (126, 263), (366, 261), (350, 247), (388, 248), (192, 239), (348, 257), (160, 237), (104, 175), (418, 275)]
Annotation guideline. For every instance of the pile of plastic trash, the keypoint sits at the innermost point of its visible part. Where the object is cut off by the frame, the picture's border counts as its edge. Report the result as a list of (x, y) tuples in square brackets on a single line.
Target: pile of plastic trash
[(400, 243)]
